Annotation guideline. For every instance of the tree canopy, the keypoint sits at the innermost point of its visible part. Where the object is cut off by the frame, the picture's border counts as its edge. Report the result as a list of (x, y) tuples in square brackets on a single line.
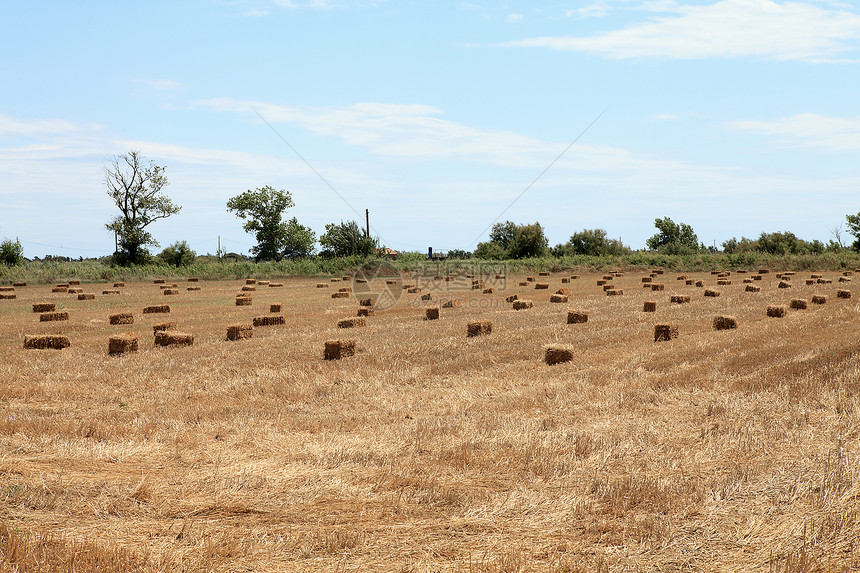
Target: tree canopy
[(263, 209), (511, 241), (136, 190), (673, 238), (854, 229), (346, 239)]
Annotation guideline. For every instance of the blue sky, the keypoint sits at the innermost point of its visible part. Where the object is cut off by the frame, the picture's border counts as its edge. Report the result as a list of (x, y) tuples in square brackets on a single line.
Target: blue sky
[(734, 116)]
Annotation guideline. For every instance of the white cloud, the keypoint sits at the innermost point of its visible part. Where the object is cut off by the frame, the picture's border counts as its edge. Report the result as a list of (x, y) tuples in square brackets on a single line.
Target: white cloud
[(514, 18), (13, 126), (808, 130), (725, 29), (595, 10)]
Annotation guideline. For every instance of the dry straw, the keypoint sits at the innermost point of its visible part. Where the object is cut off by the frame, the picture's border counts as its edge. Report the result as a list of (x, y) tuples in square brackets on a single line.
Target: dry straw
[(173, 338), (240, 331), (431, 313), (479, 328), (776, 311), (649, 306), (337, 349), (44, 307), (577, 317), (522, 304), (269, 320), (122, 343), (157, 309), (46, 342), (558, 354), (663, 332), (723, 322), (798, 304), (122, 318), (53, 316), (558, 298), (353, 322)]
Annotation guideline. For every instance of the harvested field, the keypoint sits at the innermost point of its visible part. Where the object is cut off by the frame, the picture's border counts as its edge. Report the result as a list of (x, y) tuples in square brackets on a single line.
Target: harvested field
[(424, 449)]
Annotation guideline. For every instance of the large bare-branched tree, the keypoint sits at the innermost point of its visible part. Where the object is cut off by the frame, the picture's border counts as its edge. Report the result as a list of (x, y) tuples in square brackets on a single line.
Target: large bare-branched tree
[(136, 189)]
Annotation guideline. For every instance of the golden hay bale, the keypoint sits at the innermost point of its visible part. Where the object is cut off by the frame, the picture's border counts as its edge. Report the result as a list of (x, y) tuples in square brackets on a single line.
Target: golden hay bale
[(844, 280), (783, 284), (823, 281), (245, 300), (752, 288), (394, 281), (810, 281), (798, 304), (366, 302), (427, 296), (724, 282), (249, 288), (681, 278), (170, 291), (240, 331), (19, 284), (512, 298), (558, 298), (156, 309), (193, 279), (275, 307), (700, 284), (346, 278), (118, 285), (364, 281), (523, 283), (614, 292), (353, 322), (46, 342), (757, 277), (530, 279), (712, 293), (543, 274), (647, 279), (776, 311), (162, 326), (431, 313), (452, 303), (340, 295), (722, 322), (8, 296), (263, 283), (564, 291), (574, 277), (269, 320), (335, 280), (565, 280), (276, 285), (715, 272), (608, 277), (322, 285), (61, 285), (250, 281), (847, 273), (602, 282), (558, 354), (159, 281), (657, 286), (364, 311), (843, 294), (75, 290), (663, 332), (607, 287), (522, 304), (7, 289), (337, 349), (122, 318), (680, 298), (60, 289), (414, 290), (689, 282), (193, 288), (122, 343), (499, 277), (53, 316), (658, 271), (741, 271), (74, 282), (44, 307), (490, 290), (479, 328), (173, 338), (110, 292), (747, 281), (649, 306), (763, 271), (819, 299), (577, 317)]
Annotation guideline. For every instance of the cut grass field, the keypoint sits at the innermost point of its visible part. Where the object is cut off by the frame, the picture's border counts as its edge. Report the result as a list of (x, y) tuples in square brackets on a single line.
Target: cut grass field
[(428, 450)]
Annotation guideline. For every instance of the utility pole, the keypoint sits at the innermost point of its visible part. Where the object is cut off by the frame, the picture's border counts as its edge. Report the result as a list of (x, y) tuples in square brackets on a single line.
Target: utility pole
[(367, 217), (219, 248), (115, 243)]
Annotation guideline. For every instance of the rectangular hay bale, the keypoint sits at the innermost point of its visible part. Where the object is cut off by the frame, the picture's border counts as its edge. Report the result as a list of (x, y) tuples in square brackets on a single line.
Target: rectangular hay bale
[(352, 322), (44, 307), (46, 342), (577, 317), (269, 320), (723, 322), (122, 318), (558, 354), (122, 343), (776, 311), (664, 332), (337, 349), (240, 331), (173, 338), (157, 309), (53, 316), (479, 328)]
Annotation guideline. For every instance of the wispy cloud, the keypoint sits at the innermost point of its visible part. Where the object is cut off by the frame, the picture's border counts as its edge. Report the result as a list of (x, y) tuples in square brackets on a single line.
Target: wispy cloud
[(13, 126), (808, 130), (159, 84), (764, 29), (514, 18)]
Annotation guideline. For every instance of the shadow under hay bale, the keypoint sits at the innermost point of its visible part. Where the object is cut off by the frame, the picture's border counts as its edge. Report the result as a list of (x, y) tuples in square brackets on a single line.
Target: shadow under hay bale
[(157, 309), (577, 317), (522, 304), (776, 311), (431, 313), (723, 322), (173, 338), (270, 320), (479, 328), (122, 343), (276, 285), (122, 318), (649, 306), (44, 307), (240, 331), (337, 349), (46, 342), (53, 316), (162, 326), (664, 332), (558, 354), (353, 322), (798, 304)]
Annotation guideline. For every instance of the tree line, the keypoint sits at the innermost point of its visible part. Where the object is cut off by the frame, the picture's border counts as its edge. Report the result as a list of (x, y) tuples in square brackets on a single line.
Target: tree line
[(137, 190)]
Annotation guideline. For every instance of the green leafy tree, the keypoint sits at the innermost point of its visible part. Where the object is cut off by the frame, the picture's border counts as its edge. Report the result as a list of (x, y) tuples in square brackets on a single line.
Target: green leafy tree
[(178, 254), (11, 252), (136, 190), (673, 238), (346, 239), (263, 209), (511, 241), (854, 229), (594, 242)]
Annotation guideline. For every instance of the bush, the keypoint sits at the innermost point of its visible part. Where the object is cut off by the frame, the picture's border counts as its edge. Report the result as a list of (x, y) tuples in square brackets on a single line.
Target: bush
[(11, 252), (178, 254)]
